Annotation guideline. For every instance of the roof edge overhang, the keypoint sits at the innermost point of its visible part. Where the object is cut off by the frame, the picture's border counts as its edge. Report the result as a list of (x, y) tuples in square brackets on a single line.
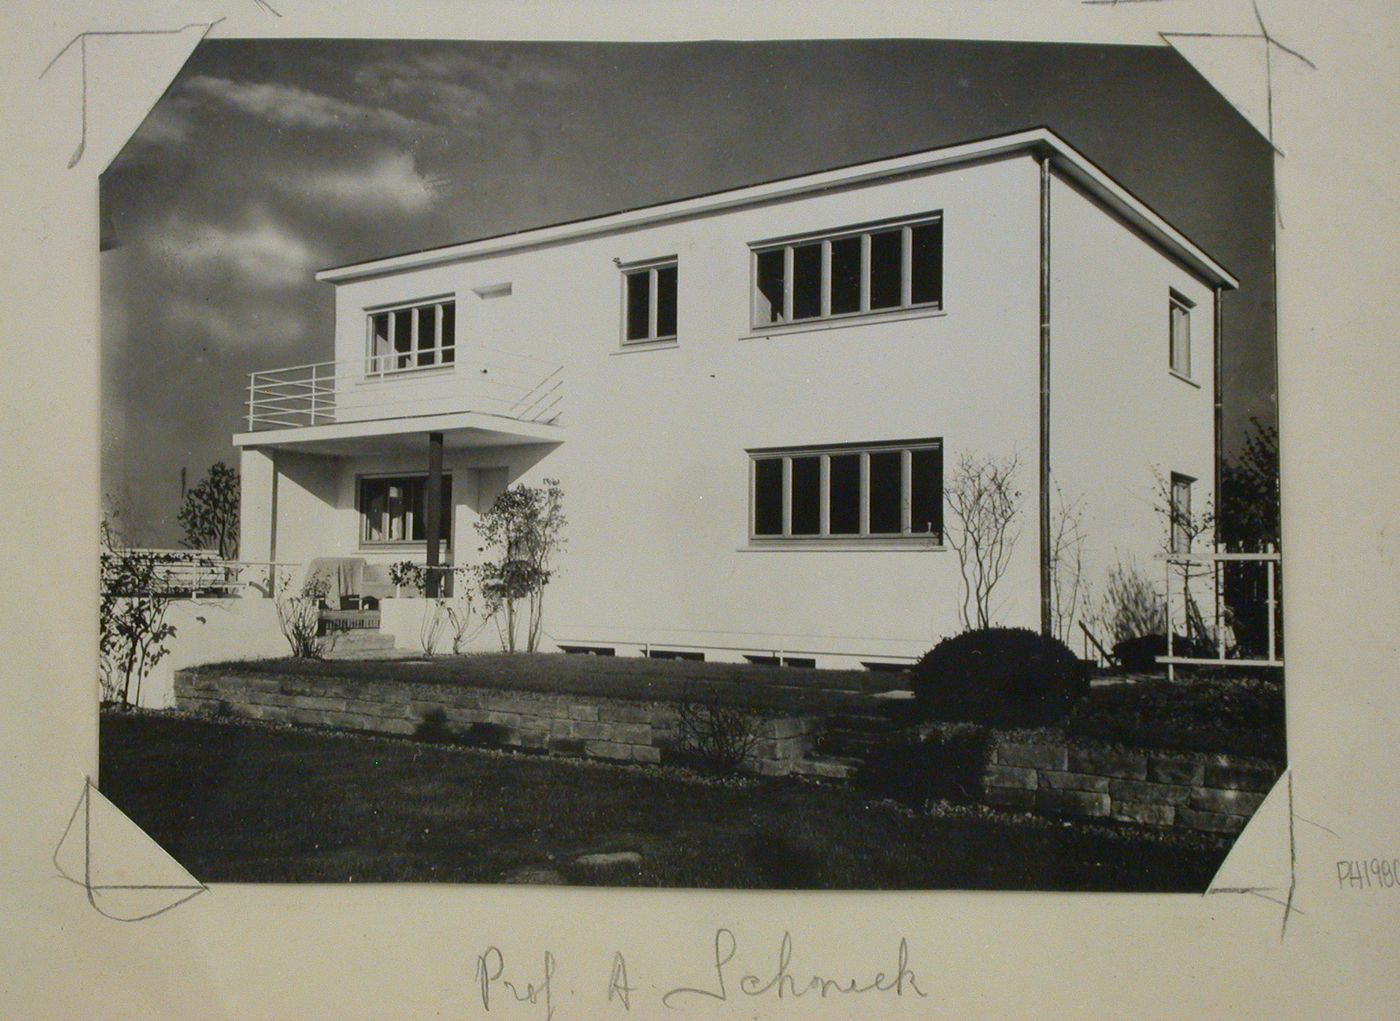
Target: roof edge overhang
[(1041, 142)]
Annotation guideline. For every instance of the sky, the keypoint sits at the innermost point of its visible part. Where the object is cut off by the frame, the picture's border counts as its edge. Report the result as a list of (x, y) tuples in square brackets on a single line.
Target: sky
[(268, 160)]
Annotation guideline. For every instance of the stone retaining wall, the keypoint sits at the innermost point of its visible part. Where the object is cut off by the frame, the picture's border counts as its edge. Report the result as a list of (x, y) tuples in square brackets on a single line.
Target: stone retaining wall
[(565, 724), (1186, 790)]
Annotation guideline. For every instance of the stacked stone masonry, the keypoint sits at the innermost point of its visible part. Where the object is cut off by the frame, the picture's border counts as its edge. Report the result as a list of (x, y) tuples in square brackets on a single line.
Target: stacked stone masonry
[(576, 725), (1193, 791)]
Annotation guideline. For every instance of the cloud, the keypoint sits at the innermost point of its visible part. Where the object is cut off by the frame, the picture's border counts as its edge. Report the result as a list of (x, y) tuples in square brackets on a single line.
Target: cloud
[(251, 326), (258, 251), (390, 183), (294, 107), (454, 87)]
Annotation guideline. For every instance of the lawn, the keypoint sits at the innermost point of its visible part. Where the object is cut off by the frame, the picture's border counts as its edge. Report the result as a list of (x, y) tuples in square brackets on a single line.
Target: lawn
[(242, 802)]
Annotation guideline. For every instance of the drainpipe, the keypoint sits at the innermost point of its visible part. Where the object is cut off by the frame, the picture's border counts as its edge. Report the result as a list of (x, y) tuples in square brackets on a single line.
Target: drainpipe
[(272, 532), (1046, 622), (1219, 403)]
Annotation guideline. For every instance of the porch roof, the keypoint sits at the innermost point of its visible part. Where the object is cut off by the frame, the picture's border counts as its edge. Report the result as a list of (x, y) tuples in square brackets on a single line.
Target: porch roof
[(461, 430)]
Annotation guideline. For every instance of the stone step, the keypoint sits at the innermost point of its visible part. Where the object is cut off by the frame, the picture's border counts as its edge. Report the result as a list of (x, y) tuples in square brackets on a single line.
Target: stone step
[(827, 767), (343, 642), (848, 743), (859, 723)]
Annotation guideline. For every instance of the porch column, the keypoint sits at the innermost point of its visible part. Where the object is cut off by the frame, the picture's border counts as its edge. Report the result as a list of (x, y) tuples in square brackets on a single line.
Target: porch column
[(432, 513)]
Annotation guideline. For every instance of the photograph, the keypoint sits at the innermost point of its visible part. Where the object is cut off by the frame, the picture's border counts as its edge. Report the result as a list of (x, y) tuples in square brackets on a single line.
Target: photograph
[(833, 464)]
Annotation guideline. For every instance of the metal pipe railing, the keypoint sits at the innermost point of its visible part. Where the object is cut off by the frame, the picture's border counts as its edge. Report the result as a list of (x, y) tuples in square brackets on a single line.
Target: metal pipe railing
[(378, 386)]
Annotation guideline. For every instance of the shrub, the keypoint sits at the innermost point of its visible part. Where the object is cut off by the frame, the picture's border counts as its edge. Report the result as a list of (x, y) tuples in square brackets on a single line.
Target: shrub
[(1235, 715), (937, 762), (1139, 655), (713, 738), (1010, 677)]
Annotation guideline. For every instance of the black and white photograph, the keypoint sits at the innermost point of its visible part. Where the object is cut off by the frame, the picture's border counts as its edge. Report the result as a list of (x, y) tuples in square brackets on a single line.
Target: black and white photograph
[(603, 510), (515, 472)]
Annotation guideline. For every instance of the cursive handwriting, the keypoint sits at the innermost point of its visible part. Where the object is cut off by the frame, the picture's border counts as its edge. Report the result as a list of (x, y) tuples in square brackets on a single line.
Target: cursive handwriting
[(784, 982), (490, 972)]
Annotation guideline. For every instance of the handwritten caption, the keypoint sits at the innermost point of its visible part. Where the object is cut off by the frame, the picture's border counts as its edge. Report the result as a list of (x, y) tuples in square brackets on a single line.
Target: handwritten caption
[(1368, 873), (719, 977)]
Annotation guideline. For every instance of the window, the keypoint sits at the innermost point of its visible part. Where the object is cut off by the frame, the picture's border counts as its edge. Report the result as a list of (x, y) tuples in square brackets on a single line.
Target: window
[(878, 269), (412, 337), (853, 491), (392, 509), (649, 303), (1180, 330), (1181, 513)]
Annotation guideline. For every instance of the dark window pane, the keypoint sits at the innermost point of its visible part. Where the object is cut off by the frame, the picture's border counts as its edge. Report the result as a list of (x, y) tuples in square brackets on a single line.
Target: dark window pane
[(806, 495), (926, 500), (768, 302), (639, 305), (449, 331), (403, 337), (885, 485), (380, 345), (845, 275), (666, 301), (806, 281), (845, 494), (427, 334), (768, 496), (886, 269), (926, 285)]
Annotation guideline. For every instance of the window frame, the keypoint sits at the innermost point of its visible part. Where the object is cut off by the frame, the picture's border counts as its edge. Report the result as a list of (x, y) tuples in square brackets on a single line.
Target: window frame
[(863, 538), (444, 354), (825, 238), (1178, 302), (652, 268), (365, 542)]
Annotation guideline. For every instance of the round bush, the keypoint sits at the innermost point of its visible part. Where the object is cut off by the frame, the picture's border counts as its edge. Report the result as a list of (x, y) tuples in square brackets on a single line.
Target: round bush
[(1005, 677)]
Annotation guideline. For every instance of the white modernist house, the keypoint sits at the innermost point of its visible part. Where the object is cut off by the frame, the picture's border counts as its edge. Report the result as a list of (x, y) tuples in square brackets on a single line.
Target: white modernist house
[(751, 399)]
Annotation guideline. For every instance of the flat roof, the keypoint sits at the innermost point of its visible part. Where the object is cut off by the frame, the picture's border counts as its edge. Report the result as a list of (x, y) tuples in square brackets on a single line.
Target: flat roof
[(1041, 141)]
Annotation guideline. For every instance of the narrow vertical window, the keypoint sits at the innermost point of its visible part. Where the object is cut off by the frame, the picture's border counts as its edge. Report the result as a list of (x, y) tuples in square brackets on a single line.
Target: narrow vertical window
[(666, 279), (926, 273), (1180, 328), (806, 281), (845, 494), (926, 492), (886, 495), (449, 332), (1181, 513), (768, 496), (638, 305), (770, 275), (886, 269), (806, 495)]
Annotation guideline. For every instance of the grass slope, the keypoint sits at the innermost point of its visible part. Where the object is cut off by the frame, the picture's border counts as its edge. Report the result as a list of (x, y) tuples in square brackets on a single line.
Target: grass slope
[(249, 803)]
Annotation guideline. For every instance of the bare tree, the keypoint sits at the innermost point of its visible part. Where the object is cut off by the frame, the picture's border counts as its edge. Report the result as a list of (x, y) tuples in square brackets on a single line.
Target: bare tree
[(1067, 585), (985, 503)]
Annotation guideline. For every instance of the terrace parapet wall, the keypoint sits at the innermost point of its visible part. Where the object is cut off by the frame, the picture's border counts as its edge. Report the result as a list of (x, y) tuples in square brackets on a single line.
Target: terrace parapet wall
[(1181, 790), (566, 724)]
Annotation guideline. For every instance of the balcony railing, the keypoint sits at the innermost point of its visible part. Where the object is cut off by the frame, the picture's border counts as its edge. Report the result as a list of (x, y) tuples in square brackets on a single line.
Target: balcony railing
[(389, 386)]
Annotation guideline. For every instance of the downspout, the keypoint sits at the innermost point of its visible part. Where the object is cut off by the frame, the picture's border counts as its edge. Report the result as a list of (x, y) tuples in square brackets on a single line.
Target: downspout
[(1046, 621), (272, 532), (1219, 402)]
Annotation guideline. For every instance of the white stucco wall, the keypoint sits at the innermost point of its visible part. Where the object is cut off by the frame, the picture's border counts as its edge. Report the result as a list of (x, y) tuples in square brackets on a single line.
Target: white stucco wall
[(211, 631), (654, 467), (1118, 413)]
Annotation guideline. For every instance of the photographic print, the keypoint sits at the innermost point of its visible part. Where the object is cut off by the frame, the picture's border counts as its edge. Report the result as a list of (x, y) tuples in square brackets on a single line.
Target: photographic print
[(844, 464)]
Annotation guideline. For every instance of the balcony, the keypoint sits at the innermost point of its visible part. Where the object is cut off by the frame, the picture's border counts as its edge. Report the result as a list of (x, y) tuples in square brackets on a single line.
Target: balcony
[(476, 396)]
